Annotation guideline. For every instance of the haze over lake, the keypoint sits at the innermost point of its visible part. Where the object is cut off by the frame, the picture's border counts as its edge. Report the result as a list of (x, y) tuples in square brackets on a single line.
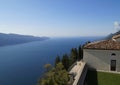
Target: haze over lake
[(23, 64)]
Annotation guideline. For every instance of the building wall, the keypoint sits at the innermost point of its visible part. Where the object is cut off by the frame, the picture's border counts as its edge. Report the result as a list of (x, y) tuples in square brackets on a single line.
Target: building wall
[(118, 39), (101, 59)]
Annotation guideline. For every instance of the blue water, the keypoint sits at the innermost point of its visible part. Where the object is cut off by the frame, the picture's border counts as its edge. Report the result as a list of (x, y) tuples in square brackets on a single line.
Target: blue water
[(23, 64)]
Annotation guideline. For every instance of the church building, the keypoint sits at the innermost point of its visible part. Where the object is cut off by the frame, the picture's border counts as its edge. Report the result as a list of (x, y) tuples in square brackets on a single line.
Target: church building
[(103, 55)]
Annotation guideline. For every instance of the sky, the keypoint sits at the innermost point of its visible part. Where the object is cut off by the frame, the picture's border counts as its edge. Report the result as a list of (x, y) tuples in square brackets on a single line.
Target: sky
[(59, 18)]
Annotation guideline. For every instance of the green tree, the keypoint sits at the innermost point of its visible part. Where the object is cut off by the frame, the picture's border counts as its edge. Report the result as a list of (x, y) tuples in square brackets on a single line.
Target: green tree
[(52, 82), (65, 61), (57, 60), (48, 67), (80, 52), (48, 78), (61, 75), (55, 76), (73, 55), (76, 53)]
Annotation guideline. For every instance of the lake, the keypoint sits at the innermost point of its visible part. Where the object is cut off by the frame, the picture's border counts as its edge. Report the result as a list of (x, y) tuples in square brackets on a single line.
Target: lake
[(23, 64)]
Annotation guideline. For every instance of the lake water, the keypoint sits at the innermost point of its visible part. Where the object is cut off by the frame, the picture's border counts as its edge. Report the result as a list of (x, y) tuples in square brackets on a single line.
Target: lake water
[(23, 64)]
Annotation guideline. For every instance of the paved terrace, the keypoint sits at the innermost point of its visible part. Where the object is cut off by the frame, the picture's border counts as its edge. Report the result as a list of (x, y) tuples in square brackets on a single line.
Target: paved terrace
[(78, 73)]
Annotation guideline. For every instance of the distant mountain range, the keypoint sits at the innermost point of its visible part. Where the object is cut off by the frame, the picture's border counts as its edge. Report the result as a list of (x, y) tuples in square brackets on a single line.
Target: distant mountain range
[(112, 34), (13, 39)]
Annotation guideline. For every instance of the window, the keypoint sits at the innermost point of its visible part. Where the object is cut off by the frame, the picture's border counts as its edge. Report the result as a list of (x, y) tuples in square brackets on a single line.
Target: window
[(113, 54)]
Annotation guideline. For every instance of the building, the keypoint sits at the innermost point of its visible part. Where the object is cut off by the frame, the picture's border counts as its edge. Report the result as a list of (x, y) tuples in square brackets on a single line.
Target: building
[(103, 55)]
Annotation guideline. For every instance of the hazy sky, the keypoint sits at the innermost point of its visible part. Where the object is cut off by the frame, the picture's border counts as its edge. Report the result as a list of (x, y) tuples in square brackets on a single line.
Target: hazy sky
[(59, 17)]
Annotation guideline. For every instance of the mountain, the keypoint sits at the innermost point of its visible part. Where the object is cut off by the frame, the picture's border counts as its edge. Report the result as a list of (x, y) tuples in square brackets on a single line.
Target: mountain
[(13, 39), (112, 34)]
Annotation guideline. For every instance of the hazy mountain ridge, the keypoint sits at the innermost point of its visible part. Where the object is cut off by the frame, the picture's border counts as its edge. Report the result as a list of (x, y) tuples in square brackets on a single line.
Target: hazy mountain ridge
[(13, 39), (112, 34)]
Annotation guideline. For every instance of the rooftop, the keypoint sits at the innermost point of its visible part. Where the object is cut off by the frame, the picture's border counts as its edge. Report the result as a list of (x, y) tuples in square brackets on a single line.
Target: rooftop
[(103, 45)]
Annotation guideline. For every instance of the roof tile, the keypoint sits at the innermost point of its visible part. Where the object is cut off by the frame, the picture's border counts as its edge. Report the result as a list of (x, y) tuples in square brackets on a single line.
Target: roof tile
[(104, 45)]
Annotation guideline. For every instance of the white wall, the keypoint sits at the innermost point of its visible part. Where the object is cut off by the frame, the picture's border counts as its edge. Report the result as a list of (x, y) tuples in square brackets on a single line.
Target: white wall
[(100, 59)]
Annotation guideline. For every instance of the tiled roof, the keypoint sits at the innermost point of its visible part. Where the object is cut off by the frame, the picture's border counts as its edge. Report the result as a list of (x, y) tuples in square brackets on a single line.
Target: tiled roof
[(104, 45)]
